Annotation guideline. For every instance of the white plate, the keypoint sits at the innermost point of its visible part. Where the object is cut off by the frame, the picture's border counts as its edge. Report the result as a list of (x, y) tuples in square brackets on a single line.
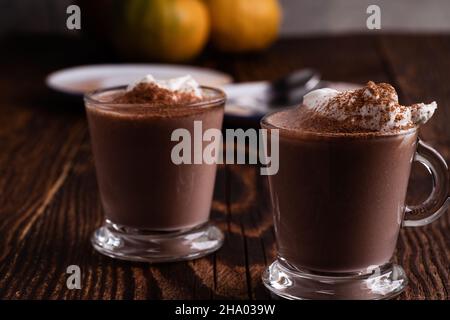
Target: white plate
[(78, 80)]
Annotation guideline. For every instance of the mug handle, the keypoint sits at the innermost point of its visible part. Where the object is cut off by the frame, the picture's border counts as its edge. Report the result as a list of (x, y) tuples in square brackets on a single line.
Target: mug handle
[(438, 201)]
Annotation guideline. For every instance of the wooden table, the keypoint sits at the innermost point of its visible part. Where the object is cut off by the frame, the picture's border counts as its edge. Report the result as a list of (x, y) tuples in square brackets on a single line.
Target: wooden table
[(49, 203)]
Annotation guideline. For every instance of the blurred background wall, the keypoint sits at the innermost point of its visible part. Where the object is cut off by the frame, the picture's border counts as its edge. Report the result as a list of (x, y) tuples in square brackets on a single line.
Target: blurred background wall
[(301, 17)]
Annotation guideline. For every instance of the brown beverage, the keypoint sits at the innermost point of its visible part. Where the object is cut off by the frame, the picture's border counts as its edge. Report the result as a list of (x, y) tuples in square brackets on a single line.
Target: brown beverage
[(139, 184), (338, 198), (142, 189), (339, 195)]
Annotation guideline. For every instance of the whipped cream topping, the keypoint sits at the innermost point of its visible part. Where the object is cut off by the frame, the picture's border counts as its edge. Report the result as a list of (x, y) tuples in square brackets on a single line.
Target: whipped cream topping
[(172, 92), (374, 107), (184, 84)]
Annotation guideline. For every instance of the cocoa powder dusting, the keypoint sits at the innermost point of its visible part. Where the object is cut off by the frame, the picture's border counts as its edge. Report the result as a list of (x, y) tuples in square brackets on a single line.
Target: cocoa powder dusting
[(381, 95), (151, 93), (372, 110), (310, 121)]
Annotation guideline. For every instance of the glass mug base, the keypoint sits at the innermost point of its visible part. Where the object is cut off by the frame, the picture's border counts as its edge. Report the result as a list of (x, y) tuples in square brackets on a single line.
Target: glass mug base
[(384, 282), (130, 244)]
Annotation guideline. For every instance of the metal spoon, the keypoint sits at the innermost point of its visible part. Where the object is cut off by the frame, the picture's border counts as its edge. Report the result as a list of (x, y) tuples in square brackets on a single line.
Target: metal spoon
[(263, 96), (291, 88)]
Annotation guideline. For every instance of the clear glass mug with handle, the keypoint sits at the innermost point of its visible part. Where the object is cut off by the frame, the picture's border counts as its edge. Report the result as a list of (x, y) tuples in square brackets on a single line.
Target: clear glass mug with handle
[(338, 204)]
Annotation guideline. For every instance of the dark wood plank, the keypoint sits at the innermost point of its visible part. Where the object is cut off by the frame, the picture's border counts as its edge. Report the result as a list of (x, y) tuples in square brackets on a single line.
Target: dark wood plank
[(231, 271), (340, 58), (253, 206)]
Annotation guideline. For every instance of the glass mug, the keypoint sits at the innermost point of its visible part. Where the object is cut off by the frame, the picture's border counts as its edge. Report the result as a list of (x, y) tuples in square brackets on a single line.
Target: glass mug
[(338, 204), (155, 210)]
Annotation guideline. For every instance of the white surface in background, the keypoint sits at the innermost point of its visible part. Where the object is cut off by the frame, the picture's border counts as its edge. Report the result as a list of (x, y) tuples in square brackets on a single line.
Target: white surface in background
[(78, 80)]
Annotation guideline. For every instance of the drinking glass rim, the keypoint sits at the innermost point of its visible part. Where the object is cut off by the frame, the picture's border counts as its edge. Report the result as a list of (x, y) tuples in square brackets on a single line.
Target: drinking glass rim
[(295, 133), (89, 99)]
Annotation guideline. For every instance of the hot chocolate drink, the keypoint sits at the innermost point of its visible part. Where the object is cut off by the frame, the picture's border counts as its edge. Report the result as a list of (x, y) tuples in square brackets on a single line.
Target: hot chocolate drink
[(339, 198), (141, 188), (339, 195)]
